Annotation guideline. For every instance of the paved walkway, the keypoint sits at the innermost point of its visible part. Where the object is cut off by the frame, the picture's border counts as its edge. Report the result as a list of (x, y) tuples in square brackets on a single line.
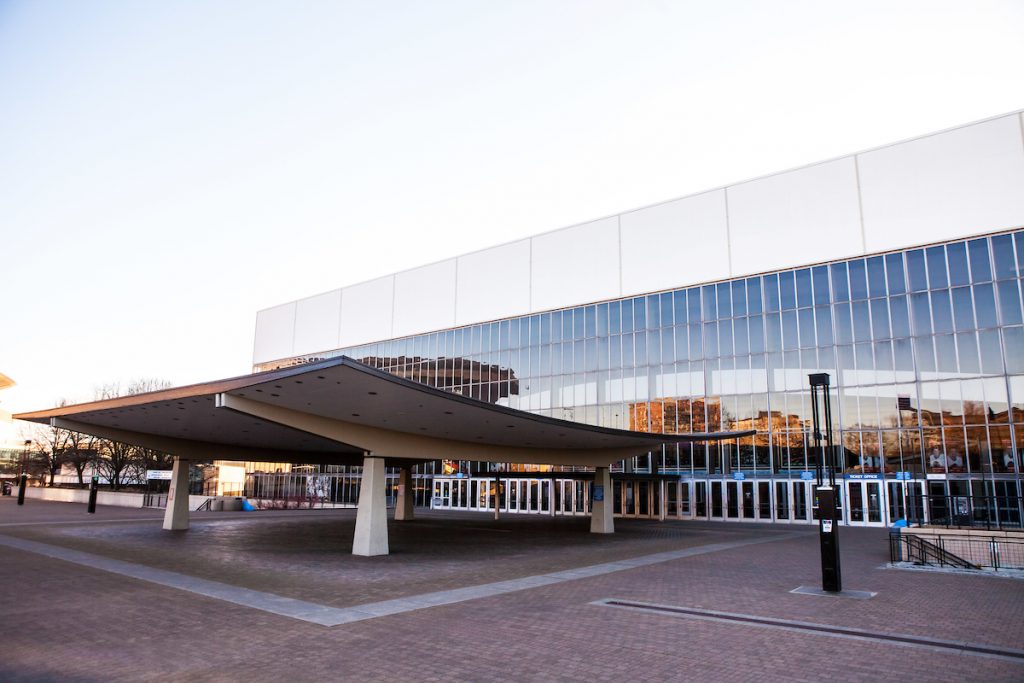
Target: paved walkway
[(261, 596)]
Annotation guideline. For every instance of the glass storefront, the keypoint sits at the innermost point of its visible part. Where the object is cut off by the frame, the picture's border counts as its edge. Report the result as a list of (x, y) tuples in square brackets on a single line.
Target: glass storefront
[(925, 347)]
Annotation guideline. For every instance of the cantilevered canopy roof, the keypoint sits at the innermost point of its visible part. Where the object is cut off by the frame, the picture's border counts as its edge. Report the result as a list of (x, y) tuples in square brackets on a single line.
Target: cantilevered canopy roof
[(338, 410)]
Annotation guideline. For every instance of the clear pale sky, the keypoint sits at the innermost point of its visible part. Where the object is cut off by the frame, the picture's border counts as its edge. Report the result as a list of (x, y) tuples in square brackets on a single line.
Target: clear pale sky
[(167, 169)]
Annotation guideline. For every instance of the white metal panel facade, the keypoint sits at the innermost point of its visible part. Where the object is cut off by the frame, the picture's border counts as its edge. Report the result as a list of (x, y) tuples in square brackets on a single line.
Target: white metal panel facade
[(948, 185), (317, 320), (803, 216), (682, 240), (275, 332), (496, 279), (962, 182), (575, 264), (367, 311), (425, 298)]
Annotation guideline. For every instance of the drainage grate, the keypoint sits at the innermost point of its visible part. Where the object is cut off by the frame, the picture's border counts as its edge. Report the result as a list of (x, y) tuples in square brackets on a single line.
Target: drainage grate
[(821, 629)]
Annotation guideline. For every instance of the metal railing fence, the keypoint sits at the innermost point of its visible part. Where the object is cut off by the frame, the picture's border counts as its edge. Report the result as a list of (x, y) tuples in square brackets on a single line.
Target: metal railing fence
[(979, 511), (994, 552)]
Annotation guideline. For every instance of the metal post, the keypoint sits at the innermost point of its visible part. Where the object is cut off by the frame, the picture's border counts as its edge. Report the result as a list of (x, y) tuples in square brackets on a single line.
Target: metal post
[(93, 486), (828, 524), (21, 489)]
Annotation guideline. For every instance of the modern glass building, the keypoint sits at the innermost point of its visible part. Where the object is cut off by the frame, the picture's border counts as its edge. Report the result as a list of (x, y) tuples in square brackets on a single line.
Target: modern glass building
[(897, 271)]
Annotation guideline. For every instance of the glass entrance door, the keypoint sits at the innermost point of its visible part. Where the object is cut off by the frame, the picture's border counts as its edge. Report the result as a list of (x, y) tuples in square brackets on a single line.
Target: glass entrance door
[(864, 503)]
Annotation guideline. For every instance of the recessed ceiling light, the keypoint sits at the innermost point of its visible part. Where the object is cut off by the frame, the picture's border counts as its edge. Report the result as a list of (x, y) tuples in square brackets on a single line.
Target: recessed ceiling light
[(355, 414), (276, 395)]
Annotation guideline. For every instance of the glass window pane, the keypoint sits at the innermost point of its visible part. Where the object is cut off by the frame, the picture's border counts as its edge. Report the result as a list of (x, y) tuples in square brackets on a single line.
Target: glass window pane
[(725, 337), (740, 337), (739, 297), (840, 286), (957, 256), (1009, 302), (724, 300), (806, 316), (942, 314), (925, 356), (967, 351), (1013, 340), (627, 315), (963, 311), (790, 338), (876, 276), (821, 289), (589, 321), (844, 328), (710, 301), (787, 288), (1002, 252), (773, 328), (861, 322), (693, 305), (894, 274), (614, 318), (936, 257), (945, 350), (756, 334), (880, 319), (711, 339), (985, 305), (981, 268), (803, 288), (639, 314), (922, 319), (823, 324), (915, 271), (754, 295), (900, 316), (858, 280), (696, 339), (771, 292), (1018, 239), (665, 304), (988, 344), (679, 304)]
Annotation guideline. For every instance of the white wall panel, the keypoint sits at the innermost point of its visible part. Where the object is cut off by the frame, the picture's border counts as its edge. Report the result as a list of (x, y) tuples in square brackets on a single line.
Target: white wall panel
[(493, 283), (675, 244), (366, 311), (962, 182), (316, 323), (275, 331), (575, 265), (425, 298), (803, 216)]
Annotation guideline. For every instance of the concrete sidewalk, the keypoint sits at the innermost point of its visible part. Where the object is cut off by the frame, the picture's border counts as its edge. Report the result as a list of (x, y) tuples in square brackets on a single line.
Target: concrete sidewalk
[(462, 597)]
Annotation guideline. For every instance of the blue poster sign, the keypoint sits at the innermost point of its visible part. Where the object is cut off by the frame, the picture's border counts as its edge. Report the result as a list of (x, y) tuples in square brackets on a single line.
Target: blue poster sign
[(739, 476), (807, 476), (598, 493), (904, 476)]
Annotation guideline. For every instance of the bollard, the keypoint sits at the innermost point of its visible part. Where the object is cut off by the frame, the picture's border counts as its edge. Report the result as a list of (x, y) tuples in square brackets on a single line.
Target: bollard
[(92, 494), (21, 489)]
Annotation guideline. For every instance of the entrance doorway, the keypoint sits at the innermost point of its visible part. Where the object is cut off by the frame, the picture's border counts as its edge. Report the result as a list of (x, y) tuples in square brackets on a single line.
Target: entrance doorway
[(865, 503)]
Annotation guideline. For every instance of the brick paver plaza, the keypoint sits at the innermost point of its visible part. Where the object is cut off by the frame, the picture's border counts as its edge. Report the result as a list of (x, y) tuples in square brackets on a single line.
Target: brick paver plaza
[(462, 597)]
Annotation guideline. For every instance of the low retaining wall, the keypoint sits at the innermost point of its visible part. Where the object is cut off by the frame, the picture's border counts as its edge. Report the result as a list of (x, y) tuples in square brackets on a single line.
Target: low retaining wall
[(122, 499)]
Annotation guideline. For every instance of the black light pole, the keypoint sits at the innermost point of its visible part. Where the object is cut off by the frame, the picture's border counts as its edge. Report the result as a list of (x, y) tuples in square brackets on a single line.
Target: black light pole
[(828, 524), (24, 477)]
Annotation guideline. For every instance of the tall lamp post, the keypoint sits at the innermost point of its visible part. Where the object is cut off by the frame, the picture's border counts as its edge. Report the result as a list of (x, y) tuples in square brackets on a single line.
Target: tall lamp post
[(24, 475), (826, 493)]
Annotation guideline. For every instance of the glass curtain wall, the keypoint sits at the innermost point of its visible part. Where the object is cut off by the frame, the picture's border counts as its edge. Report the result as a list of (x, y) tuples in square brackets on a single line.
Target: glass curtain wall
[(925, 347)]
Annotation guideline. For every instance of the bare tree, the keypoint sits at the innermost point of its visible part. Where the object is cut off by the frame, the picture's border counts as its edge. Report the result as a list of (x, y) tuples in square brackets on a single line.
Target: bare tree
[(48, 450), (118, 461), (80, 452)]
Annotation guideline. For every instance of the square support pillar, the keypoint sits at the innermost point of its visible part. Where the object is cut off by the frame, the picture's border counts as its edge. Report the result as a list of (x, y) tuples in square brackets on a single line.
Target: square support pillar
[(602, 511), (176, 514), (371, 536), (406, 496)]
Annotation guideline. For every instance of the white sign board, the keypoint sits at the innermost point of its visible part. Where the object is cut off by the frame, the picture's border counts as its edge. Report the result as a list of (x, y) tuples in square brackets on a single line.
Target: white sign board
[(159, 474)]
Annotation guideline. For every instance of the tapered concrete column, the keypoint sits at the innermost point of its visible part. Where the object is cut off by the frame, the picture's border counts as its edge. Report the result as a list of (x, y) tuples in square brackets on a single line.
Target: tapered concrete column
[(497, 498), (406, 498), (602, 511), (372, 516), (176, 514)]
